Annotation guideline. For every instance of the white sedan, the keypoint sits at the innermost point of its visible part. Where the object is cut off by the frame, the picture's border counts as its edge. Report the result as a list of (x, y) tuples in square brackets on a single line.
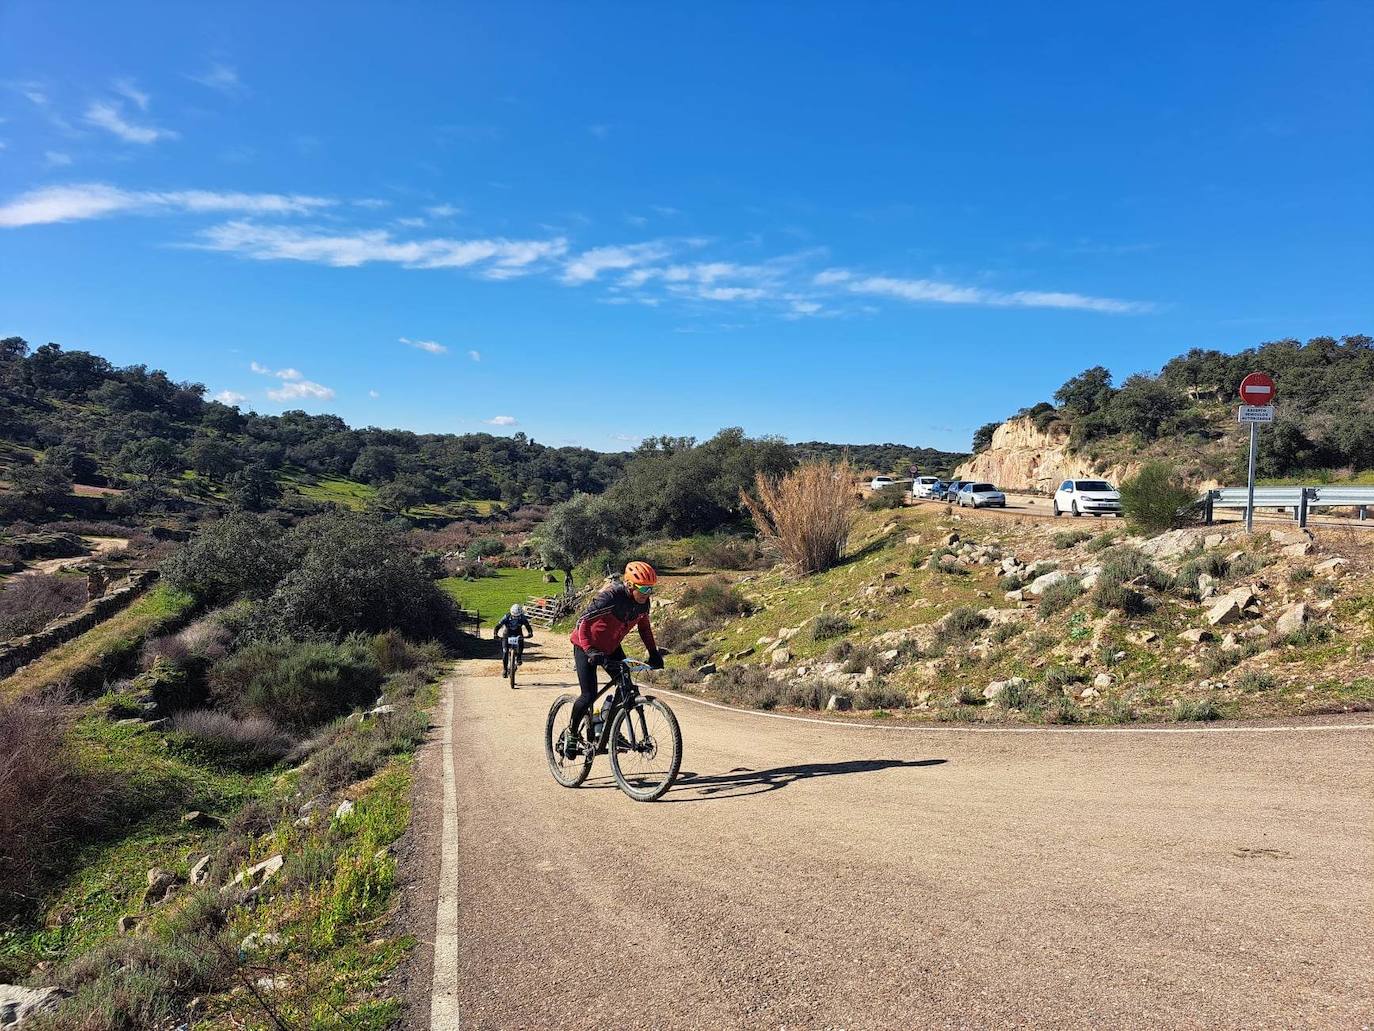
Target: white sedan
[(879, 482), (980, 495), (1087, 497)]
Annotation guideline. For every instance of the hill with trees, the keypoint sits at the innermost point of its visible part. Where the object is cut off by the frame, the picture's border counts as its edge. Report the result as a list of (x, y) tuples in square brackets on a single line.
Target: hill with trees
[(1185, 414)]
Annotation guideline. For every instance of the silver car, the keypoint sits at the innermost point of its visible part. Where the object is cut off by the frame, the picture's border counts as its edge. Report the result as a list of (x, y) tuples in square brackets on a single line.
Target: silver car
[(980, 495)]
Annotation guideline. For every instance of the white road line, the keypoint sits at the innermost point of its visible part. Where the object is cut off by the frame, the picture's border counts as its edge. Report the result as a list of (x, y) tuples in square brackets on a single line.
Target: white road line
[(443, 1006), (956, 729)]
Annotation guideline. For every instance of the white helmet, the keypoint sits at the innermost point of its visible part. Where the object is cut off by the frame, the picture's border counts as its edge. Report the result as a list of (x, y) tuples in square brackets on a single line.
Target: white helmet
[(517, 611)]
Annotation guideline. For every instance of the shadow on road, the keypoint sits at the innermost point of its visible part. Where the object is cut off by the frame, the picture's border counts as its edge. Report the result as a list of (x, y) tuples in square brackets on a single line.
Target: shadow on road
[(742, 781)]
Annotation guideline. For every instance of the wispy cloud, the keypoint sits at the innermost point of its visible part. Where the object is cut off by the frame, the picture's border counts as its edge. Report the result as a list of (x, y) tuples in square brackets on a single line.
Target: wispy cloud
[(586, 266), (230, 397), (98, 200), (425, 345), (110, 117), (129, 90), (494, 258), (294, 387), (373, 394), (443, 211), (502, 420), (475, 355), (221, 77), (56, 159), (937, 292), (301, 389)]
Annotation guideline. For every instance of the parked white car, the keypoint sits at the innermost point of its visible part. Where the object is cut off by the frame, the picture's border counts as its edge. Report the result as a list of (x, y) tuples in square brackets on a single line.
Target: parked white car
[(980, 495), (1087, 497), (879, 482), (924, 486)]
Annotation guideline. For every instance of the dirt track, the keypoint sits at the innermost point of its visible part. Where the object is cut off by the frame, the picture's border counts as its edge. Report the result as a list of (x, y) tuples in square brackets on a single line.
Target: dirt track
[(834, 876)]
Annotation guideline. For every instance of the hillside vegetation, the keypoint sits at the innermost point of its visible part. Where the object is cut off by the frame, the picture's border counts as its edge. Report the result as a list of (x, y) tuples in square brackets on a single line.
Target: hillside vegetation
[(1186, 414)]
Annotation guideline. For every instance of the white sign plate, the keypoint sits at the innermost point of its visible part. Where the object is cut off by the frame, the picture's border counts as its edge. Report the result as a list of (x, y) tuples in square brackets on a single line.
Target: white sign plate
[(1255, 413)]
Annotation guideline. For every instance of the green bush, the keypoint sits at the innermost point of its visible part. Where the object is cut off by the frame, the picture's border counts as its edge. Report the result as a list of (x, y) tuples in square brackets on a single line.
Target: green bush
[(1011, 582), (1004, 632), (723, 552), (1064, 710), (1256, 680), (1068, 538), (829, 625), (1059, 677), (1057, 597), (964, 622), (891, 496), (715, 598), (1111, 594), (485, 547), (1156, 498), (1019, 696), (1102, 541), (879, 695), (239, 556), (1201, 710), (299, 685)]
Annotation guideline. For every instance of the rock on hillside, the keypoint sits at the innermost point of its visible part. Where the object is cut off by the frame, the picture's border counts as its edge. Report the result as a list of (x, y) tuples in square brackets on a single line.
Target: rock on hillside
[(1022, 456)]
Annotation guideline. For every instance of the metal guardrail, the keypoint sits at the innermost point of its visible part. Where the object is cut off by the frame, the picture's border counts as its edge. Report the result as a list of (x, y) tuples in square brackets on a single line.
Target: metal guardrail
[(1300, 499)]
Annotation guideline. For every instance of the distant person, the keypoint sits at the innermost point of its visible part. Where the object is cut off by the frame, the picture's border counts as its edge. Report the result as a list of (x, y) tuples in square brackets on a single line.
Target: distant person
[(616, 610), (517, 625)]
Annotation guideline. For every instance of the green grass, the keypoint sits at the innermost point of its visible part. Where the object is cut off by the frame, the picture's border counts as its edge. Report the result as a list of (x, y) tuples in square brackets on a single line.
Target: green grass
[(491, 596), (337, 490), (103, 646), (106, 879)]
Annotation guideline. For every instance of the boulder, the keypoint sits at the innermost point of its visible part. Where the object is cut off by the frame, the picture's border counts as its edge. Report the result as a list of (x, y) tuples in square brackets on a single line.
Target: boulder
[(1254, 631), (1228, 610), (17, 1004), (1103, 681), (128, 924), (1040, 584), (950, 539), (780, 656), (1331, 567), (1299, 549), (1017, 595), (1291, 620), (382, 710), (1214, 540), (346, 808), (1090, 693), (1197, 635), (256, 876), (201, 821), (200, 869), (1206, 585), (839, 703), (1290, 536), (161, 883), (1168, 545)]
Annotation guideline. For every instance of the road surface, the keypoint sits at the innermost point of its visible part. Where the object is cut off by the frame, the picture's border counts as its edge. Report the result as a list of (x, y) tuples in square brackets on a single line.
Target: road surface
[(814, 875)]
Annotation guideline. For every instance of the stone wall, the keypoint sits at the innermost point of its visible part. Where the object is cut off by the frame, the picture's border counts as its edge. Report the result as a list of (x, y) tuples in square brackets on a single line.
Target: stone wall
[(23, 650)]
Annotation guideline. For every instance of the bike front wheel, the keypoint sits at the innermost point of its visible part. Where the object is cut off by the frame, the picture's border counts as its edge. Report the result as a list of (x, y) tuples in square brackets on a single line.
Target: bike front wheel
[(646, 750), (512, 660), (570, 771)]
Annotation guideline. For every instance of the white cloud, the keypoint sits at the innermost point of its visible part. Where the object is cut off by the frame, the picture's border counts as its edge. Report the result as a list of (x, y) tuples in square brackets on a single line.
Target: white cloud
[(475, 355), (286, 374), (110, 117), (443, 211), (56, 159), (586, 266), (949, 293), (301, 389), (495, 258), (730, 293), (290, 374), (425, 345), (261, 369), (805, 307), (373, 393), (128, 89), (501, 420), (372, 203), (98, 200), (220, 77), (411, 223), (230, 397), (831, 276)]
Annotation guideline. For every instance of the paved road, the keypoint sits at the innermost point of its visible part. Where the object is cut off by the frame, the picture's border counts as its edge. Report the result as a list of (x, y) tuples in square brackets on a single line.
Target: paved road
[(825, 876)]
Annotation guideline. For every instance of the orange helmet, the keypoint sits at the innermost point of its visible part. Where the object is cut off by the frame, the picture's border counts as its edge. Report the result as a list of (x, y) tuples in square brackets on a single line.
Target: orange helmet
[(640, 574)]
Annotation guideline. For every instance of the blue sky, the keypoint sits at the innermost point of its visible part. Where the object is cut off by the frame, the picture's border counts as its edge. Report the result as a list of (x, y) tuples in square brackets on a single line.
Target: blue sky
[(594, 222)]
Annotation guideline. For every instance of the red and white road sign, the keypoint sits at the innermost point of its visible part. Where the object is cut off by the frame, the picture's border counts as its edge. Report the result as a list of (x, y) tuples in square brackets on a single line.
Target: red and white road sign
[(1257, 389)]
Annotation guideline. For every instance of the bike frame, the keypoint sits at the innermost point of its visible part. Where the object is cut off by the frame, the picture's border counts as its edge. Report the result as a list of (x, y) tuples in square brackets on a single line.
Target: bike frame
[(625, 695)]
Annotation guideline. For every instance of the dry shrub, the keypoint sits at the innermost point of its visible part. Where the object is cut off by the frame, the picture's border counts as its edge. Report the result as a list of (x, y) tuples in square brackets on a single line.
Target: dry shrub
[(46, 803), (32, 601), (807, 514), (715, 598), (245, 744)]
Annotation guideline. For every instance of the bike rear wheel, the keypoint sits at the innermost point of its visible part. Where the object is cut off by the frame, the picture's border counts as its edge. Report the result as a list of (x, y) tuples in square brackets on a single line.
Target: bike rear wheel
[(570, 772), (512, 660), (646, 750)]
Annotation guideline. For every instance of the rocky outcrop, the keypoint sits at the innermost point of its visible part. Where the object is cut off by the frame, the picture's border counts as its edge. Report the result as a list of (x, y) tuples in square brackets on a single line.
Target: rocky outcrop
[(1023, 457), (17, 1003)]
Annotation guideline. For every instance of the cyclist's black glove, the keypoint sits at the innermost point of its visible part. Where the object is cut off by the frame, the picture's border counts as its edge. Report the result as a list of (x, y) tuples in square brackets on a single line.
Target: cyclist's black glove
[(655, 659)]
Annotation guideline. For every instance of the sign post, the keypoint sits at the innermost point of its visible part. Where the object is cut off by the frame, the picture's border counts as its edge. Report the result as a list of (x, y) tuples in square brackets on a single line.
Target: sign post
[(1257, 393)]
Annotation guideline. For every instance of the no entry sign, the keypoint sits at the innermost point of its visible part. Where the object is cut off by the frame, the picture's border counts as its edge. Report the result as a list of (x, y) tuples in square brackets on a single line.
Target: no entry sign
[(1257, 389)]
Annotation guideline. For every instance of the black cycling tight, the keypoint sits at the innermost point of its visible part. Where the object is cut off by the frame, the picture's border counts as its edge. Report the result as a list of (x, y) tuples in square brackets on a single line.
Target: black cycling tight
[(586, 680)]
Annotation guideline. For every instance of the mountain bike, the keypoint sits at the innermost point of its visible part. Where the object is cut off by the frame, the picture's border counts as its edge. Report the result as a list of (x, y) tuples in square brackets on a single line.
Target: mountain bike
[(639, 733), (510, 658)]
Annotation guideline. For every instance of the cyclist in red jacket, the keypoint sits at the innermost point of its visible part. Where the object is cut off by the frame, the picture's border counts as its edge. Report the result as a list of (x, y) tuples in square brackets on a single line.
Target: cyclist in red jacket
[(613, 613)]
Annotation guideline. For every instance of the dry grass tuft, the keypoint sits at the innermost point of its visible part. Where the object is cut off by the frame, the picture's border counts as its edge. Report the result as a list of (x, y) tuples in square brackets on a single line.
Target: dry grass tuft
[(807, 514)]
